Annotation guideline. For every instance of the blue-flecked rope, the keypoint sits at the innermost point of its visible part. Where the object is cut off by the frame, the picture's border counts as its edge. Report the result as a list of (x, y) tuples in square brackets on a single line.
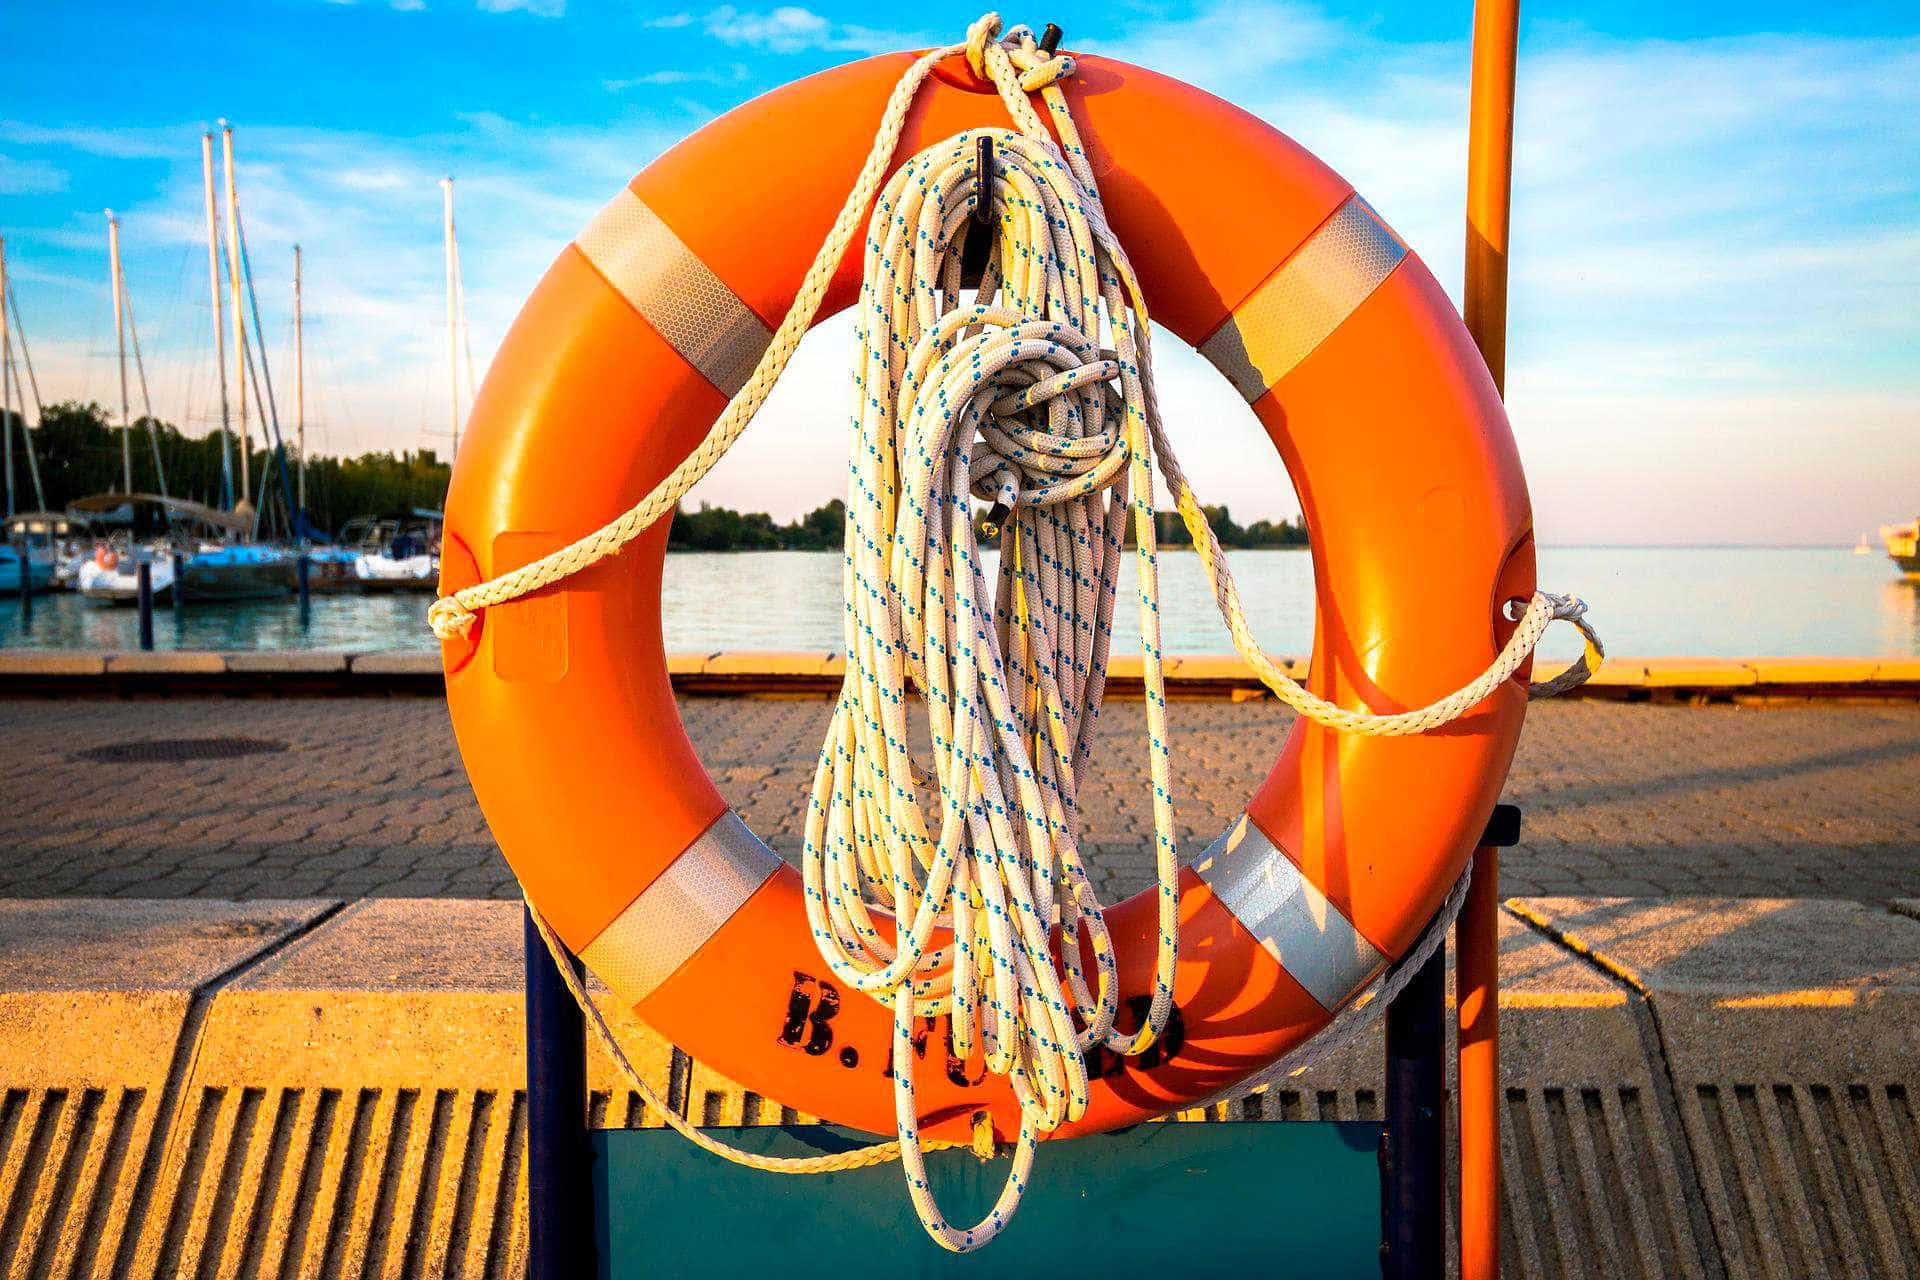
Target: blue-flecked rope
[(1037, 396)]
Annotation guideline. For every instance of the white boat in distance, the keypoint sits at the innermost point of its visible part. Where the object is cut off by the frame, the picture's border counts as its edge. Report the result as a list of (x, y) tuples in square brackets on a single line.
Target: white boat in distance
[(405, 555), (112, 576)]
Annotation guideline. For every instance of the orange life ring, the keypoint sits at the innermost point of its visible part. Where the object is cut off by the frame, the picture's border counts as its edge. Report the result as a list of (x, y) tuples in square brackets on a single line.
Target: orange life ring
[(1353, 359), (106, 557)]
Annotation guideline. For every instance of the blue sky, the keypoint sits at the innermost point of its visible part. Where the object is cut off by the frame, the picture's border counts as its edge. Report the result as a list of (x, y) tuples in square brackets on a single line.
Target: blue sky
[(1716, 240)]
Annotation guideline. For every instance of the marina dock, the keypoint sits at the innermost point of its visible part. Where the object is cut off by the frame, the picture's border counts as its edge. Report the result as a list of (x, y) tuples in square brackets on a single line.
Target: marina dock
[(258, 954), (1799, 795)]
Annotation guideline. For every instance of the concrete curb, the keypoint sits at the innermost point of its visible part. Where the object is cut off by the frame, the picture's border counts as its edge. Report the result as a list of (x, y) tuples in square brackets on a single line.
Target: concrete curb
[(818, 674), (1787, 1031), (102, 1005), (195, 1087)]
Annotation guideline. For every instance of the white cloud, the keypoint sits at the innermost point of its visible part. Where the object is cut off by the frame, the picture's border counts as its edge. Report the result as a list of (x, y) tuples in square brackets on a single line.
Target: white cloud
[(538, 8), (1229, 41), (366, 210), (792, 29), (113, 144), (30, 177), (727, 73)]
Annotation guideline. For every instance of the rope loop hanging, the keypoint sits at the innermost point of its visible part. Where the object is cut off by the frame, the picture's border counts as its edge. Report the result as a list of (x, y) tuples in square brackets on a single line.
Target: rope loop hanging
[(937, 891)]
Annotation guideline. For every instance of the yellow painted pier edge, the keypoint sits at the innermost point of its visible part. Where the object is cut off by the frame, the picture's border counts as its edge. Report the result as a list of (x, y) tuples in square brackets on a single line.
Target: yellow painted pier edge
[(817, 673)]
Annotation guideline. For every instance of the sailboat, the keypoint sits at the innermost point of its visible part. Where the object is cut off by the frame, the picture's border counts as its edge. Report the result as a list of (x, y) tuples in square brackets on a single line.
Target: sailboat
[(238, 567), (111, 575), (27, 558), (209, 555), (174, 537), (407, 556)]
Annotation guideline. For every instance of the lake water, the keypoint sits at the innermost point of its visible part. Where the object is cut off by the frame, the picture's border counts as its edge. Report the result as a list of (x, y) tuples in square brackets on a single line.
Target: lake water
[(1727, 602)]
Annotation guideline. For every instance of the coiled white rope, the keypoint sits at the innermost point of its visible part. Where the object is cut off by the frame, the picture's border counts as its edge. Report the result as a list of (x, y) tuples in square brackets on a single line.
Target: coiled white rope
[(1038, 396)]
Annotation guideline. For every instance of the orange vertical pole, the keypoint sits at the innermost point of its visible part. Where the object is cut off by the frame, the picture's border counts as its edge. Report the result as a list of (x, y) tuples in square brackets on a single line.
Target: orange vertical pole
[(1476, 977), (1496, 29)]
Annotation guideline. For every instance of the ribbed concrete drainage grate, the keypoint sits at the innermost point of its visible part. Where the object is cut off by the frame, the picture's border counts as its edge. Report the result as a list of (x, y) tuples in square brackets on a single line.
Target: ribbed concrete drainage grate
[(178, 750)]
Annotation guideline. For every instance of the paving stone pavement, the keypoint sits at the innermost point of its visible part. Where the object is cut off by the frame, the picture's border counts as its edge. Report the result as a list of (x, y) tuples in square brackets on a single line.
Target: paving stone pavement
[(369, 799)]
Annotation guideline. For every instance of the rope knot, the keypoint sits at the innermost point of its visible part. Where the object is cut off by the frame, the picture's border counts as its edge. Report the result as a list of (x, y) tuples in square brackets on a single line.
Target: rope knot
[(1573, 609), (1042, 399), (449, 618), (1039, 67), (1566, 608), (985, 29)]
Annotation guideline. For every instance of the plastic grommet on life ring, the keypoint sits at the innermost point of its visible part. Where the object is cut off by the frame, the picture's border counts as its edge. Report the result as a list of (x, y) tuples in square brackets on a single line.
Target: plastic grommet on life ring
[(1247, 248)]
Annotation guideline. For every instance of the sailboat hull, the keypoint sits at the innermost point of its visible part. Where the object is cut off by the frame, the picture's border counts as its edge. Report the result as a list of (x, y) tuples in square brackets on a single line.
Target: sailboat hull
[(386, 573), (36, 569), (120, 584), (238, 573)]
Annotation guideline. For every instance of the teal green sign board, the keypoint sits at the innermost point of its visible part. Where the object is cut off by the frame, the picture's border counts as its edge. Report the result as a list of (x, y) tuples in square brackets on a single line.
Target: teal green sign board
[(1161, 1200)]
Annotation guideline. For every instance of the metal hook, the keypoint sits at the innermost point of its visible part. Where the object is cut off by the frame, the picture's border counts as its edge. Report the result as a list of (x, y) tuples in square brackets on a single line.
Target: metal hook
[(983, 181)]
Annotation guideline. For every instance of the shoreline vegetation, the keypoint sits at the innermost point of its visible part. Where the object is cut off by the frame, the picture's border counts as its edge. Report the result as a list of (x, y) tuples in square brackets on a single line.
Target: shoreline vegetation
[(78, 449), (711, 528)]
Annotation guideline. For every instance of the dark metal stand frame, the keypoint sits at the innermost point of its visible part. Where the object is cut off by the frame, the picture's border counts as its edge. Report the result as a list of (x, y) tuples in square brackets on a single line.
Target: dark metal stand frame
[(1413, 1181)]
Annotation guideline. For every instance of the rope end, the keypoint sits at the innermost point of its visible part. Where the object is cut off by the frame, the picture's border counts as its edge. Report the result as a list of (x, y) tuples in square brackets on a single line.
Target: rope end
[(995, 519), (983, 1144), (450, 619)]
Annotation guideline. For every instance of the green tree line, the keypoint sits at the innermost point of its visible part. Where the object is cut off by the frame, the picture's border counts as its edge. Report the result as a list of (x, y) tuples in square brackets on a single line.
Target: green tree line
[(1169, 530), (823, 529), (724, 529), (79, 454)]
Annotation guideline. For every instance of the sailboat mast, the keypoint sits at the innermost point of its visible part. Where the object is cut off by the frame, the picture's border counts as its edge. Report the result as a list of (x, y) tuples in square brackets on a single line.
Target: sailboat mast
[(299, 383), (120, 337), (6, 381), (239, 323), (219, 320), (18, 333), (453, 321), (11, 371)]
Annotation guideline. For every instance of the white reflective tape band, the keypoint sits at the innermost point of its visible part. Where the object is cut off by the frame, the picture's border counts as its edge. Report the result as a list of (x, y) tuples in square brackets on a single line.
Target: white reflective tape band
[(685, 906), (1317, 946), (675, 292), (1300, 305)]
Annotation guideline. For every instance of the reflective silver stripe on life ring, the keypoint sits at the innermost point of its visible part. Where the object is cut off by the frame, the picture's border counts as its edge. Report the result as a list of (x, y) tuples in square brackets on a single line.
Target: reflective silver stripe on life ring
[(1311, 294), (685, 906), (1317, 946), (675, 292)]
